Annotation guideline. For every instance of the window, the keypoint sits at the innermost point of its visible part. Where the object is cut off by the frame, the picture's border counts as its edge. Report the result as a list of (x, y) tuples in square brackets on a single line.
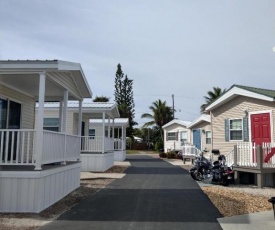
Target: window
[(235, 129), (92, 133), (184, 137), (10, 114), (51, 124), (171, 136), (208, 137)]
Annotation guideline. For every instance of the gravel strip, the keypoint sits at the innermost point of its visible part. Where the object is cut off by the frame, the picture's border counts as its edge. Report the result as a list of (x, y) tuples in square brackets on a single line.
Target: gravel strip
[(239, 199)]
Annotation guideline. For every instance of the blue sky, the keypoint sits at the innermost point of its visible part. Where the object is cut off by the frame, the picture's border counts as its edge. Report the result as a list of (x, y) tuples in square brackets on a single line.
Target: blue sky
[(180, 47)]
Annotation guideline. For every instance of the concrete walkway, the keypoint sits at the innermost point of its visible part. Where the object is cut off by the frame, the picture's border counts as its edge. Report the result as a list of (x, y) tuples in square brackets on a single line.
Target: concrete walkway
[(153, 195)]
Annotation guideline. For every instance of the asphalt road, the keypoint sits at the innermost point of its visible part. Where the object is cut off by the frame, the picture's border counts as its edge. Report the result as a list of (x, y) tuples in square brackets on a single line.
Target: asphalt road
[(153, 195)]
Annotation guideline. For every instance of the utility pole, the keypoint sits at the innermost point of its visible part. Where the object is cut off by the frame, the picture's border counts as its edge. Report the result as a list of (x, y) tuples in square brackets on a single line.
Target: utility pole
[(173, 106)]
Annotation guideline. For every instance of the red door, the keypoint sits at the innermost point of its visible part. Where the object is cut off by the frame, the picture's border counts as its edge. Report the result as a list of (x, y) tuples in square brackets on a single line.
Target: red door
[(260, 128)]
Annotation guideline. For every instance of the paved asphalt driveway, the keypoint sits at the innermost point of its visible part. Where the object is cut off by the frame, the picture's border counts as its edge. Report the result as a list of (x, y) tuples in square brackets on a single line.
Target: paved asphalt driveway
[(153, 195)]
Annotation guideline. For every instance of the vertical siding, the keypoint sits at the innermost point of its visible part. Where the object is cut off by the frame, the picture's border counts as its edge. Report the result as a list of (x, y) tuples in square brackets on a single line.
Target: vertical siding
[(28, 105), (235, 109), (23, 193), (96, 162)]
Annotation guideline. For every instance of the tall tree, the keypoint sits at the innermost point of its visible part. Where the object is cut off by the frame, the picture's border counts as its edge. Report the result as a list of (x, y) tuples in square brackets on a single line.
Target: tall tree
[(161, 114), (101, 99), (124, 98), (211, 96)]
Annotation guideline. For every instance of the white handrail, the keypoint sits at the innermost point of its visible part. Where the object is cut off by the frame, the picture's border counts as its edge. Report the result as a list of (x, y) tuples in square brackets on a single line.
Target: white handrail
[(95, 144), (17, 147)]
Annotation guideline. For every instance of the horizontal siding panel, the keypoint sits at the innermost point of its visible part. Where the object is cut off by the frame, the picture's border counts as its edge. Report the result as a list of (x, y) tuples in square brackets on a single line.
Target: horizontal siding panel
[(28, 105), (234, 109)]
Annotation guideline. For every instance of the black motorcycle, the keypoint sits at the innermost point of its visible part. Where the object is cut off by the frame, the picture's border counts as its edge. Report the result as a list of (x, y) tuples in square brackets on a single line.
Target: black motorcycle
[(205, 171)]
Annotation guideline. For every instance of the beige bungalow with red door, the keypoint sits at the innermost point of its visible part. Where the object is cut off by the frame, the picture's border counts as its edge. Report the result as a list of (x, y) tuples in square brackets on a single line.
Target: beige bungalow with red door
[(241, 119)]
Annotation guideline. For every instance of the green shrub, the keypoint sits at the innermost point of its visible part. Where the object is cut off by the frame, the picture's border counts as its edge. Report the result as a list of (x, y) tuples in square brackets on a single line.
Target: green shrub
[(171, 155), (163, 155), (158, 146)]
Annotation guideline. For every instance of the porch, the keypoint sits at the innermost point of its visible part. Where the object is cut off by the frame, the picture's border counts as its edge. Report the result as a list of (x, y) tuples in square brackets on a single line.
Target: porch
[(38, 167), (99, 153), (18, 148), (258, 160)]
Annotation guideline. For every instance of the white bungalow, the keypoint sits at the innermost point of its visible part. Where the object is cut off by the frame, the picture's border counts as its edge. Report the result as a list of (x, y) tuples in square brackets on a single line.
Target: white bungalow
[(38, 167), (120, 125), (176, 135), (97, 149)]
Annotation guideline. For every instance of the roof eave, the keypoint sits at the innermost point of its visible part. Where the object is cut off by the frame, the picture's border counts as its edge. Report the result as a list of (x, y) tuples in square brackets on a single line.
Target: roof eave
[(234, 92)]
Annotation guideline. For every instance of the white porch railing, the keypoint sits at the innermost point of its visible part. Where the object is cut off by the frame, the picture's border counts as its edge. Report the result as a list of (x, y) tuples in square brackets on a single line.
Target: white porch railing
[(58, 147), (230, 158), (17, 147), (190, 150), (118, 144), (247, 155), (267, 148), (53, 147), (73, 146), (95, 144)]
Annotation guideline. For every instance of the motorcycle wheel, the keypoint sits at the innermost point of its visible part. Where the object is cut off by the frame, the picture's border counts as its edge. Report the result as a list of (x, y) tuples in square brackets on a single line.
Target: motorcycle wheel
[(224, 182), (195, 175)]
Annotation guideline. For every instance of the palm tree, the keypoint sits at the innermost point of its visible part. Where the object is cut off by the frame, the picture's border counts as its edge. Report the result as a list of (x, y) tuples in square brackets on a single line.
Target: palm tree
[(212, 96), (161, 114)]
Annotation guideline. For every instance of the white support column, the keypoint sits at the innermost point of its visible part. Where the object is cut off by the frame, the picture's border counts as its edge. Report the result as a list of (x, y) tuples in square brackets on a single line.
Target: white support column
[(122, 138), (64, 123), (60, 116), (109, 130), (113, 133), (79, 118), (103, 132), (40, 121), (65, 110)]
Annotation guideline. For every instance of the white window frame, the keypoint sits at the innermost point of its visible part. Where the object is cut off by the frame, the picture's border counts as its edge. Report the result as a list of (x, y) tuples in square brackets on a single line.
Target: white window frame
[(8, 99), (241, 129), (169, 137), (208, 138), (90, 135), (184, 141), (45, 127)]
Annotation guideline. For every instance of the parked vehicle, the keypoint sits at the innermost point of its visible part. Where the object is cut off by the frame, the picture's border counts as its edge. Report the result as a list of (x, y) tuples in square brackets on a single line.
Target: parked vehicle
[(205, 171)]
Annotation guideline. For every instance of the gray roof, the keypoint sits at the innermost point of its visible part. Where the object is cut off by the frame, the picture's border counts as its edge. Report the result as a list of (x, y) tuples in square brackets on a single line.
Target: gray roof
[(202, 118), (265, 92), (177, 121), (117, 121), (74, 104)]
